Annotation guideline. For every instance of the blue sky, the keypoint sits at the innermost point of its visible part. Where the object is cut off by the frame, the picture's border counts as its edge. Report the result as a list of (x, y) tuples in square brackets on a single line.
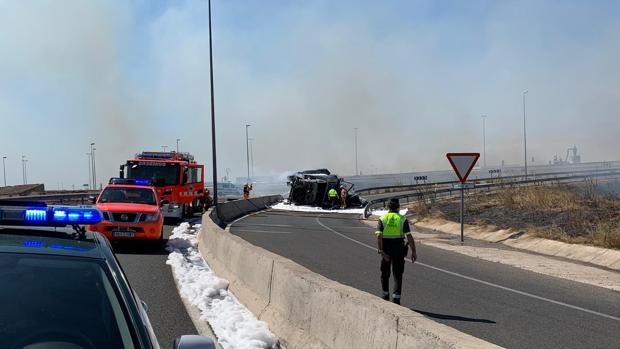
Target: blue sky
[(413, 76)]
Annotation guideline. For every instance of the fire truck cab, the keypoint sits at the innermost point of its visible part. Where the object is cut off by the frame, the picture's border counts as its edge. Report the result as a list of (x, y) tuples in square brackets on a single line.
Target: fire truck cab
[(177, 179)]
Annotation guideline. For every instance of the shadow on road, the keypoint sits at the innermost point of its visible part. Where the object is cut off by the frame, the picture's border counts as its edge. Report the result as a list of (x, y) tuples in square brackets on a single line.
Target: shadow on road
[(452, 317), (140, 247)]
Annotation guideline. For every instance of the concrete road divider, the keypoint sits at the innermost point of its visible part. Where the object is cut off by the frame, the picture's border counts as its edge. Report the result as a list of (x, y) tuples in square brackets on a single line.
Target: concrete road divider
[(307, 310), (225, 213)]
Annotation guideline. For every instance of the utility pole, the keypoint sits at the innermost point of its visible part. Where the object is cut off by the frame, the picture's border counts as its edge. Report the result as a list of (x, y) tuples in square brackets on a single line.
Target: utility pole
[(24, 178), (356, 168), (94, 170), (247, 150), (90, 175), (178, 140), (212, 111), (92, 166), (252, 157), (4, 168), (524, 134), (484, 140)]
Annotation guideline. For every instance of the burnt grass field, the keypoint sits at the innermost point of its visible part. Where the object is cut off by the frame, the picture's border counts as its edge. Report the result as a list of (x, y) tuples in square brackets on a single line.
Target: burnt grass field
[(575, 213)]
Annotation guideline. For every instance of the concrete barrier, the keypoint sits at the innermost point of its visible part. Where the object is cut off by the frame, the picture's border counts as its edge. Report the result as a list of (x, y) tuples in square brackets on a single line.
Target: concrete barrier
[(307, 310), (227, 212)]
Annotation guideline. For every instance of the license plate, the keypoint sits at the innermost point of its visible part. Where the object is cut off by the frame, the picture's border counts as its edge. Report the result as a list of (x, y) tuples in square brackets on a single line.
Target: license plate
[(124, 234)]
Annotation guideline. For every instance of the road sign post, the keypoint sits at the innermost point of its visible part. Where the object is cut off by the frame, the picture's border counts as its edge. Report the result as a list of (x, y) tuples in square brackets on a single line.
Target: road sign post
[(462, 164)]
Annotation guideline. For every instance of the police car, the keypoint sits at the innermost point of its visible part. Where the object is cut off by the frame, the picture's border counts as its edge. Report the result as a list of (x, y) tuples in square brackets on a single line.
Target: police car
[(64, 288)]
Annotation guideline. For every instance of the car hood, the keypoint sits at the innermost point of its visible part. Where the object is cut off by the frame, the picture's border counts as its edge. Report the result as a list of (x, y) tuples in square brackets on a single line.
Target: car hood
[(128, 208)]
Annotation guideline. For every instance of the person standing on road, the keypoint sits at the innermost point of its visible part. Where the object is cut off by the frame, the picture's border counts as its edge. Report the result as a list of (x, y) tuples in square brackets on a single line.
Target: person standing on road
[(392, 230), (332, 194), (343, 197), (247, 188)]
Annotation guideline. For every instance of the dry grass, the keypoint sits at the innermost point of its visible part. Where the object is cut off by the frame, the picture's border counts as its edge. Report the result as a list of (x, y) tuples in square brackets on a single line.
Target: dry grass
[(570, 213)]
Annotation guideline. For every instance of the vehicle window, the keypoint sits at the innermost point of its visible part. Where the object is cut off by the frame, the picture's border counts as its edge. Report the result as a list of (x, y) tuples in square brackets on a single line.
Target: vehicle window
[(160, 173), (195, 175), (60, 302), (128, 195)]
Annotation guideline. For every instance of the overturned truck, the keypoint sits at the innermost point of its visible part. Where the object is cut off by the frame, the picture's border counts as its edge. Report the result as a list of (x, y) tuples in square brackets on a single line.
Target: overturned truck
[(311, 187)]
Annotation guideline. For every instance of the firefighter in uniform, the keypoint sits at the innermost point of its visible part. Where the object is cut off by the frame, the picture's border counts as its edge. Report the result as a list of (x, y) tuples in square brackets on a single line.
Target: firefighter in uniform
[(392, 230), (332, 194)]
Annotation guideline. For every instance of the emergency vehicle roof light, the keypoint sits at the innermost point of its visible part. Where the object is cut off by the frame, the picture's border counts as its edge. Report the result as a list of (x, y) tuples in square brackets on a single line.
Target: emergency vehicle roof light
[(131, 181), (39, 214)]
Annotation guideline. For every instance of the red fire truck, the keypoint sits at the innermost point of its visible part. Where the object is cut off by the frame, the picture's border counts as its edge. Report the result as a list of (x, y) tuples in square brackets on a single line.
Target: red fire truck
[(177, 178)]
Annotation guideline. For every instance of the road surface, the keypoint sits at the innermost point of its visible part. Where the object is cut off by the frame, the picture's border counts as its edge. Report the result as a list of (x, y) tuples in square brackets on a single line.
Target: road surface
[(504, 305), (152, 279)]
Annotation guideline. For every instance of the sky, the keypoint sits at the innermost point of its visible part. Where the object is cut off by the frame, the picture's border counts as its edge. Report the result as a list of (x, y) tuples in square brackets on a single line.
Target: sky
[(413, 76)]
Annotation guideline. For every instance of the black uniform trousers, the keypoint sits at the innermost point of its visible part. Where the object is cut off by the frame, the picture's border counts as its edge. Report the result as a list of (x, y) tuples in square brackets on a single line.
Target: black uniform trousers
[(397, 250)]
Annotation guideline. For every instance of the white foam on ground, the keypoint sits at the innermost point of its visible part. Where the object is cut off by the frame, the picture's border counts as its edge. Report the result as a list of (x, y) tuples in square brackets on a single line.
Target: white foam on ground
[(301, 208), (234, 325), (381, 212)]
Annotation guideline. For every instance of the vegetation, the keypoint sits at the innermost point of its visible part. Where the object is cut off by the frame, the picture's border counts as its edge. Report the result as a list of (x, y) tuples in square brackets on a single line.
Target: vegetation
[(575, 213)]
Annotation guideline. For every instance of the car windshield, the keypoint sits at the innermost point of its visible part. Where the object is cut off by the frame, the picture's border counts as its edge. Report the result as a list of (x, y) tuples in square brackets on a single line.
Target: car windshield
[(59, 302), (160, 173), (128, 195)]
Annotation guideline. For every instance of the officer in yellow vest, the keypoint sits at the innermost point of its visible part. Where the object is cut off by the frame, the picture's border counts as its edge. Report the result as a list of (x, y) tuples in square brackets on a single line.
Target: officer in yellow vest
[(333, 197), (392, 230)]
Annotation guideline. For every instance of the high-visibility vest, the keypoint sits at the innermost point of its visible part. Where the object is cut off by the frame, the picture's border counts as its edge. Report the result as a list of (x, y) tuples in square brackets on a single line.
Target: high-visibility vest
[(332, 193), (393, 224)]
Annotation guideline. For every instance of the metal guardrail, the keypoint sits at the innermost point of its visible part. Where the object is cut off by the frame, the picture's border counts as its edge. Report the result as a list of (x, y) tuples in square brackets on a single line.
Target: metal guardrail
[(75, 197), (449, 191), (406, 187)]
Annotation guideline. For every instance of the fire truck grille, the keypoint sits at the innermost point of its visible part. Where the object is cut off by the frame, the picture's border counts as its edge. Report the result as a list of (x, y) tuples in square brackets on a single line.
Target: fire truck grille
[(124, 217)]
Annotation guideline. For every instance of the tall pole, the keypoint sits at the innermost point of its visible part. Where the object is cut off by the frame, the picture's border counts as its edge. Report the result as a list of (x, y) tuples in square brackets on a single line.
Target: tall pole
[(252, 157), (90, 176), (247, 149), (524, 134), (356, 168), (23, 169), (4, 168), (484, 140), (212, 111), (94, 170), (178, 140), (92, 166)]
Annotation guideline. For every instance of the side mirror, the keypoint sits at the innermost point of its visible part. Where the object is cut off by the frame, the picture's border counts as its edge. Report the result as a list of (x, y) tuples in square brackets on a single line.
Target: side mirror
[(93, 199), (193, 342)]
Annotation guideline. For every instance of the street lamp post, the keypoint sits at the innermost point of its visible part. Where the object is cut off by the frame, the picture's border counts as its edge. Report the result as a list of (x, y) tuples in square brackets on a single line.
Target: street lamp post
[(356, 168), (247, 149), (524, 134), (24, 178), (212, 111), (90, 175), (484, 140), (4, 169), (92, 166), (252, 157), (178, 140)]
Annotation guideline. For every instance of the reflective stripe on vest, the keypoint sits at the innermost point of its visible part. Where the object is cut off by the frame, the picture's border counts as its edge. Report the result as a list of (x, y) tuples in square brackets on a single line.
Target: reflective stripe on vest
[(393, 225)]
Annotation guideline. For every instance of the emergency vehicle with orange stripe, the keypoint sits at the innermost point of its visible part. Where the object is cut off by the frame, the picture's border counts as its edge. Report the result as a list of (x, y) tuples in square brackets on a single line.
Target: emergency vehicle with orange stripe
[(178, 180)]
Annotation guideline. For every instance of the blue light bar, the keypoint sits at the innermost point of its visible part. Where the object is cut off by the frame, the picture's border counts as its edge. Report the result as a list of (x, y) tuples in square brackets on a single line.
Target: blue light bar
[(77, 215), (130, 181), (35, 215)]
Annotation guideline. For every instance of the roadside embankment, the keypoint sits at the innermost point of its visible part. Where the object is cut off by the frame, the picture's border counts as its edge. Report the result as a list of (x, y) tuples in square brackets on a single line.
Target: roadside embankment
[(306, 310), (604, 257)]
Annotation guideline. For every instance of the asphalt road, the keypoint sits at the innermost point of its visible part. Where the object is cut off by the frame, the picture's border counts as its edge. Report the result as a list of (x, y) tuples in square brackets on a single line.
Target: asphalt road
[(151, 277), (504, 305)]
